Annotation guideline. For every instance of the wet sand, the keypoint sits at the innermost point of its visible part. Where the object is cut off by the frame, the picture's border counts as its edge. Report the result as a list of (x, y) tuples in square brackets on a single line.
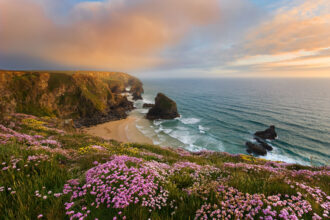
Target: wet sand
[(122, 130)]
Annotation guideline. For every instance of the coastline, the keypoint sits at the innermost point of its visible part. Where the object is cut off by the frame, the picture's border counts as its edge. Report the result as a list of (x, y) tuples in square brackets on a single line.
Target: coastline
[(124, 130)]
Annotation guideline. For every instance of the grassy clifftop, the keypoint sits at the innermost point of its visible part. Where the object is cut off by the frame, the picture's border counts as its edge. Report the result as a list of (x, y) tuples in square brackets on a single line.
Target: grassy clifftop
[(88, 97), (49, 170)]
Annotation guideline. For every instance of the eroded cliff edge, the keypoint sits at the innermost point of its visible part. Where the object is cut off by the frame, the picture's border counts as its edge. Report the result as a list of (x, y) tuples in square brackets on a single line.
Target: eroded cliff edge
[(88, 98)]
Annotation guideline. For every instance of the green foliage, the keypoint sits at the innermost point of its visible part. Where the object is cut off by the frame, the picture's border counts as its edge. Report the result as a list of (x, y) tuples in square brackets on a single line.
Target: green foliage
[(59, 79), (188, 188), (43, 176)]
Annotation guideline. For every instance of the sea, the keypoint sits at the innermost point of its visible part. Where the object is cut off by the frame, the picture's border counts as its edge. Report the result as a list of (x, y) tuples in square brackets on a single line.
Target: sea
[(222, 114)]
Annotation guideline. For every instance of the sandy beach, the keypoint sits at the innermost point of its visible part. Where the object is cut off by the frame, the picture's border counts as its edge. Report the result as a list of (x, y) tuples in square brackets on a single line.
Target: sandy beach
[(122, 130)]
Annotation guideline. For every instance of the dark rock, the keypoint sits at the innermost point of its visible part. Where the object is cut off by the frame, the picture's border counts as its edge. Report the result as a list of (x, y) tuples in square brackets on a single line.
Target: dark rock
[(269, 133), (264, 144), (136, 89), (148, 105), (164, 108), (255, 148), (113, 113)]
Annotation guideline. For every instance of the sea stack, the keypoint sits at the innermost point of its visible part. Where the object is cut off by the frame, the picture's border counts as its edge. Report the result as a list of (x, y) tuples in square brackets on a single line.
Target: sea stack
[(269, 133), (261, 146), (164, 108), (255, 148)]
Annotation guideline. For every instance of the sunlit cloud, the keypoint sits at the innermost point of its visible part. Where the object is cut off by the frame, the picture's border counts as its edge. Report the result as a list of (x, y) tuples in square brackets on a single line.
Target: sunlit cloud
[(188, 38), (116, 34), (295, 37)]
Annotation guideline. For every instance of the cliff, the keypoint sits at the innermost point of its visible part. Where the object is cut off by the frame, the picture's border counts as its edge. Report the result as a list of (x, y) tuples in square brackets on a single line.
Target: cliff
[(87, 97)]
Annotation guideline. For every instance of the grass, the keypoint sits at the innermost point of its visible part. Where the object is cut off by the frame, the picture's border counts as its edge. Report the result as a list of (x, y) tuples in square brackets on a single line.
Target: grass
[(190, 180), (44, 176)]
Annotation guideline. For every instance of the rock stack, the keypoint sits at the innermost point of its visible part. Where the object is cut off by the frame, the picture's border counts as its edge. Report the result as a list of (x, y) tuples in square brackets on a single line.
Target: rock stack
[(164, 108), (260, 147)]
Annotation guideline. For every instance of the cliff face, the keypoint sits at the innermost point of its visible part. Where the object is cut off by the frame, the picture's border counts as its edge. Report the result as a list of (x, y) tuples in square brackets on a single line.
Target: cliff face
[(87, 97)]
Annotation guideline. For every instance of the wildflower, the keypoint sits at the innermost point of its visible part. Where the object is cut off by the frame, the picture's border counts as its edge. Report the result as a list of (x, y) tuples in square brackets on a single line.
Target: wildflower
[(133, 182), (57, 194)]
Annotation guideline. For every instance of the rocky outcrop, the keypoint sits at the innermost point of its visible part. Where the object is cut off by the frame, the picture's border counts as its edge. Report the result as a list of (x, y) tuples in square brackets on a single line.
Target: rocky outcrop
[(255, 148), (136, 89), (264, 144), (261, 146), (88, 98), (148, 105), (164, 108), (269, 133)]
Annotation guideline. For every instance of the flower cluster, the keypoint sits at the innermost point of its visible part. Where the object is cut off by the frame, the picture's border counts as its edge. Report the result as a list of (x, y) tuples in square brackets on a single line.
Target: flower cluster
[(35, 124), (278, 169), (38, 158), (182, 152), (89, 149), (31, 159), (238, 205), (8, 134), (151, 154), (12, 164), (319, 196), (124, 181), (44, 194)]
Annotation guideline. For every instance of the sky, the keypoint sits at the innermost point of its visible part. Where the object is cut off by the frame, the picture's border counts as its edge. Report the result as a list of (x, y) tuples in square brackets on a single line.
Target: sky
[(158, 38)]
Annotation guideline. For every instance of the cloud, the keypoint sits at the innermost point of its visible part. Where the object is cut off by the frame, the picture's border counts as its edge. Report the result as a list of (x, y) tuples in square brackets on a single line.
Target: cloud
[(187, 37), (303, 26), (293, 42), (111, 34)]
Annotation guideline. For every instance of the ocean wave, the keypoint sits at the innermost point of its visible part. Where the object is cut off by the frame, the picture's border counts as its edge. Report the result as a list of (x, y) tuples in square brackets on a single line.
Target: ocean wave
[(167, 131), (148, 100), (280, 157), (143, 110), (194, 148), (184, 137), (202, 129), (164, 130), (158, 122), (156, 142), (189, 121)]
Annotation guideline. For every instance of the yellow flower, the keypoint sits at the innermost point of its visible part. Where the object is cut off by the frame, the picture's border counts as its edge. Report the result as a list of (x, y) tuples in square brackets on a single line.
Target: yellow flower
[(34, 124)]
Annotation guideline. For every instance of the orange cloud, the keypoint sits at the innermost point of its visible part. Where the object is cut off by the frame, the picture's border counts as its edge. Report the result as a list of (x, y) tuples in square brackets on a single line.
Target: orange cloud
[(304, 27), (114, 34), (294, 42)]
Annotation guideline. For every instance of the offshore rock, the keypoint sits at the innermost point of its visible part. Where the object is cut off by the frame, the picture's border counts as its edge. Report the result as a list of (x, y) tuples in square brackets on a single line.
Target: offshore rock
[(255, 148), (269, 133), (164, 108), (264, 144)]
